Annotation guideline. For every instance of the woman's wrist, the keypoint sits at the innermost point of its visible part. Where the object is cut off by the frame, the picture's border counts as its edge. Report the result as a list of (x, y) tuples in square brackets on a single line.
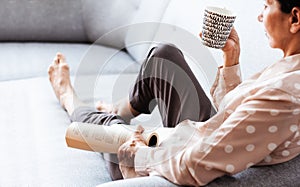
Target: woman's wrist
[(231, 57), (231, 49)]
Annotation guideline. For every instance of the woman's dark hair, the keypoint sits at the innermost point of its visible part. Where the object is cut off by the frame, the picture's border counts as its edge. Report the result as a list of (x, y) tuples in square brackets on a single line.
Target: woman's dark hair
[(288, 5)]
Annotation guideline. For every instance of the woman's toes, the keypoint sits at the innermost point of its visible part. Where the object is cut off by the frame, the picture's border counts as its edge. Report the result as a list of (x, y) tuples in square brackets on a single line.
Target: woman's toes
[(99, 105), (61, 57), (50, 72), (50, 69), (55, 61), (59, 54), (103, 107)]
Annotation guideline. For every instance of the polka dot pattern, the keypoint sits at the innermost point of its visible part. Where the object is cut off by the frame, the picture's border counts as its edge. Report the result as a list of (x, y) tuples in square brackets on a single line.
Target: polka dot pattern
[(230, 168), (274, 112), (273, 129), (250, 147), (268, 159), (272, 146), (287, 143), (294, 99), (250, 129), (264, 130), (249, 164), (297, 86), (228, 148), (285, 153), (296, 112), (293, 128)]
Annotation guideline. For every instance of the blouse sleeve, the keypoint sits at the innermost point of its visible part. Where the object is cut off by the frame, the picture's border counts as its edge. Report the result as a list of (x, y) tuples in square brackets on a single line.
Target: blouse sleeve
[(226, 80), (243, 140)]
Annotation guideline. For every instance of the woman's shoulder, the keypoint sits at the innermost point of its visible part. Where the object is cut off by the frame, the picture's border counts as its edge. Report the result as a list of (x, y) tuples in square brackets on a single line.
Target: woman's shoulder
[(288, 82)]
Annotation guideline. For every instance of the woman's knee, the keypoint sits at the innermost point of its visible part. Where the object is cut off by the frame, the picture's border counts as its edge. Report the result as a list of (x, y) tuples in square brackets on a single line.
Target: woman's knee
[(166, 51)]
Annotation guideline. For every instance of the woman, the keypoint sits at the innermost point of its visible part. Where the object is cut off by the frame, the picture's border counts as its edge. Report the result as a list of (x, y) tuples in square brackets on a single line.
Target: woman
[(256, 123)]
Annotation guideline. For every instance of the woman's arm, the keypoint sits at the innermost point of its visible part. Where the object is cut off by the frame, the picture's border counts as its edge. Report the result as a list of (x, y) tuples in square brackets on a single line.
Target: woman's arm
[(246, 138), (228, 76)]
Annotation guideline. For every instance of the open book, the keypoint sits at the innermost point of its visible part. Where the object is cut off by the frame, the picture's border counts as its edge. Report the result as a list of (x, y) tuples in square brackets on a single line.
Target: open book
[(108, 139)]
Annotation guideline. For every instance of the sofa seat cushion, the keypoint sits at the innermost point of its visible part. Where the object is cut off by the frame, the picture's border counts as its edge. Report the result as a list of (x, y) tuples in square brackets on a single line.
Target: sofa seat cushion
[(32, 138), (33, 132), (284, 174), (24, 60)]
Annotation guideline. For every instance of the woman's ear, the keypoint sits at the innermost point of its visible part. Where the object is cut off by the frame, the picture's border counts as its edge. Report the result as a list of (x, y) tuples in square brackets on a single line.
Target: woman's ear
[(295, 20)]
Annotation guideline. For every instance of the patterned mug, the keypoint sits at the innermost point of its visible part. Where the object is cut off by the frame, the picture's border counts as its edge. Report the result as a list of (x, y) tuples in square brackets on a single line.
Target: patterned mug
[(217, 25)]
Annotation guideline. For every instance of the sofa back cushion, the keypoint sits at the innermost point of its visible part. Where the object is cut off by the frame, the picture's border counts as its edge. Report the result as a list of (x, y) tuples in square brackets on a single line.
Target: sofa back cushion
[(144, 27), (101, 21), (41, 20), (105, 20)]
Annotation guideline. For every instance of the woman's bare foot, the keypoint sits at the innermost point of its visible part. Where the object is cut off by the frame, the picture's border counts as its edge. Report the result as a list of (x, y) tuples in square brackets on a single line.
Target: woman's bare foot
[(104, 107), (59, 76), (122, 108)]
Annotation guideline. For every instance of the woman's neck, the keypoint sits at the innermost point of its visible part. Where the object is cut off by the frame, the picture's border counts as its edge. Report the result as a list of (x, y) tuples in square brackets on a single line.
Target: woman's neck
[(293, 49)]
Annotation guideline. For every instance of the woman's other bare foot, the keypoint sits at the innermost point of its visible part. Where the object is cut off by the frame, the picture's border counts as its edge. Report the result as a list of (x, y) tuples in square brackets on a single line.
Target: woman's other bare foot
[(104, 107), (122, 108), (59, 76)]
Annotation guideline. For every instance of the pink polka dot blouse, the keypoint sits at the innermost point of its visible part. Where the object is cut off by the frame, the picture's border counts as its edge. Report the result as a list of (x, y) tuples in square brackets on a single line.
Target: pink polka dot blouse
[(257, 123)]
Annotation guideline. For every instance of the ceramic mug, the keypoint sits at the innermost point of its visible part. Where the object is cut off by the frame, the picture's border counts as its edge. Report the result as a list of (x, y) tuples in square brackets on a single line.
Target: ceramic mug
[(217, 25)]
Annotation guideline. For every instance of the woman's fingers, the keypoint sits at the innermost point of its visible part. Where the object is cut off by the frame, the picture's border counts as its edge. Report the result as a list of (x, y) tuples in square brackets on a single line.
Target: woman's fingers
[(139, 129), (200, 34), (137, 136), (126, 154)]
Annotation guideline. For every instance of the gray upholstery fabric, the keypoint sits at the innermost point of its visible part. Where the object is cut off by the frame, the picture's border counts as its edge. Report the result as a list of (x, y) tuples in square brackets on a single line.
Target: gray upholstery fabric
[(155, 181), (102, 24), (33, 123), (34, 152), (143, 28), (32, 139), (286, 174), (41, 20), (24, 60)]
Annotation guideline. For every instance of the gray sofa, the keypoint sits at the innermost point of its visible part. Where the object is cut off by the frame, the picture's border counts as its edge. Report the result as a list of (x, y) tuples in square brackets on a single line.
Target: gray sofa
[(104, 42)]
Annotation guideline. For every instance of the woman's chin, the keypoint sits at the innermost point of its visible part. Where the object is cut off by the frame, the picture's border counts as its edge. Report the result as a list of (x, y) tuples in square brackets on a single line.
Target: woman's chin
[(271, 43)]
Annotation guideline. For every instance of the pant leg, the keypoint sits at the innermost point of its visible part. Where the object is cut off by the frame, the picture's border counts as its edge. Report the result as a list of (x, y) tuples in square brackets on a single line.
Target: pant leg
[(166, 80), (91, 115)]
